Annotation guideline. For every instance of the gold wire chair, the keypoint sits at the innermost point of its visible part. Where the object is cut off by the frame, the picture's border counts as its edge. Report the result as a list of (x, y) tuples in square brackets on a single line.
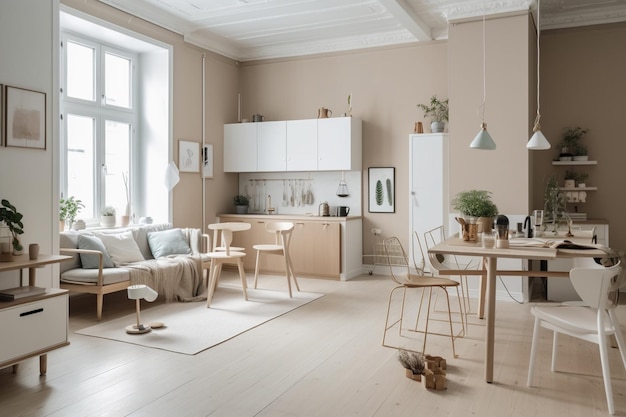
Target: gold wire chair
[(402, 275)]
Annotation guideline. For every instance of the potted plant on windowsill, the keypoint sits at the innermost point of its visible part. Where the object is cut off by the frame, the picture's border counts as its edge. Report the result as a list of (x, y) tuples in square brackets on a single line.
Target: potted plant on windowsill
[(13, 220), (68, 209), (437, 111), (107, 217), (476, 206), (241, 203)]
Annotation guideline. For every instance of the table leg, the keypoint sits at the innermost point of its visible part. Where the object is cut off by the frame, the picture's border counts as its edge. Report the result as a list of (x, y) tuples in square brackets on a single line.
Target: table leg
[(32, 272), (491, 317), (43, 364)]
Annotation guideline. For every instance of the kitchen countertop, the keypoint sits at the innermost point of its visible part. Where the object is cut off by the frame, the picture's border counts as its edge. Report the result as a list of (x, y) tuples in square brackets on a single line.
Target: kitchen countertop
[(290, 217)]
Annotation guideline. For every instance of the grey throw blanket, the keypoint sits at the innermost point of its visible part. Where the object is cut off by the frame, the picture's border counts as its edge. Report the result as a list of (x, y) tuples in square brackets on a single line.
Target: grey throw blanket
[(177, 277)]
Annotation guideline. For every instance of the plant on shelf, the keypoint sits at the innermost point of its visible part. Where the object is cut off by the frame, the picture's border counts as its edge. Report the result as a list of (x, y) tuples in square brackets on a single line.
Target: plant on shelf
[(437, 111), (577, 177), (69, 208), (13, 220), (554, 205), (571, 145), (107, 216), (241, 203)]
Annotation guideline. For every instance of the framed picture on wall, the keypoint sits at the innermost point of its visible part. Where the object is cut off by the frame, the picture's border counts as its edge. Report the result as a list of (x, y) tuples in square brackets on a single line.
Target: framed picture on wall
[(382, 192), (24, 118), (2, 132), (207, 161), (188, 156)]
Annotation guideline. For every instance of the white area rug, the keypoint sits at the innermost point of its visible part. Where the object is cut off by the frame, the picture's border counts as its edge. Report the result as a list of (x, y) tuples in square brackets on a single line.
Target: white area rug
[(192, 327)]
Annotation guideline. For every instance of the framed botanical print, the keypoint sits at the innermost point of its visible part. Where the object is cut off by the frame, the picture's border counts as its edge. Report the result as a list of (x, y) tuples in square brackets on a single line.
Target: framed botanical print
[(382, 192)]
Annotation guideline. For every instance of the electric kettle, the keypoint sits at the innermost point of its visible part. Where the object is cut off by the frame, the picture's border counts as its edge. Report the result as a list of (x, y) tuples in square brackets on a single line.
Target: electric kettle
[(324, 209)]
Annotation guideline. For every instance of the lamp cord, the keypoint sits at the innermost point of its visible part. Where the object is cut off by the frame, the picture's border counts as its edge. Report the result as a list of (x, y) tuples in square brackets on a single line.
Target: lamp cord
[(484, 70), (538, 117)]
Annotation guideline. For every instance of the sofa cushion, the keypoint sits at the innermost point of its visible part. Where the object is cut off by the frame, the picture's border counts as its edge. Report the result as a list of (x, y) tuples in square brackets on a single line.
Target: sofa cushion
[(168, 242), (121, 247), (92, 261), (90, 276)]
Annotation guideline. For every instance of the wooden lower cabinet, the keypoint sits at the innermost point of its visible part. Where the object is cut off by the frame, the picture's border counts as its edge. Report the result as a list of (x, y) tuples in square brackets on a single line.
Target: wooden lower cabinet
[(315, 247)]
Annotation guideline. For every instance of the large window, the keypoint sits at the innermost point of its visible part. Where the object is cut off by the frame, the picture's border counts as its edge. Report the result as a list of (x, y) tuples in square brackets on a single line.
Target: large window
[(98, 126)]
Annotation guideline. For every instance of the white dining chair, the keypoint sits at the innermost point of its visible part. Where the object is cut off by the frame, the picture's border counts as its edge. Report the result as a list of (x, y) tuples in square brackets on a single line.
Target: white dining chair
[(282, 232), (223, 233), (592, 319)]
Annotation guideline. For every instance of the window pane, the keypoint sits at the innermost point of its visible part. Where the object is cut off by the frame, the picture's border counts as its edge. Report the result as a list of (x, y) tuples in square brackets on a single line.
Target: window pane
[(117, 161), (117, 80), (80, 71), (80, 162)]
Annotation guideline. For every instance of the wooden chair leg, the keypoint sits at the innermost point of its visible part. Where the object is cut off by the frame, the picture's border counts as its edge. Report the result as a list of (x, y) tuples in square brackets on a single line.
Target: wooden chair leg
[(242, 276), (99, 304), (256, 268), (212, 282)]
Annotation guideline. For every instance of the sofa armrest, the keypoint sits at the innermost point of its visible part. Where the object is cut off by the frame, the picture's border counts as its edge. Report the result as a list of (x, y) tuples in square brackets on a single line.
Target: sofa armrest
[(89, 252), (206, 243)]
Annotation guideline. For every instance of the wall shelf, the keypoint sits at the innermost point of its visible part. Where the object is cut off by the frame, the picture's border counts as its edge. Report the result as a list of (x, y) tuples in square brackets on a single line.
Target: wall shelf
[(578, 188), (574, 162)]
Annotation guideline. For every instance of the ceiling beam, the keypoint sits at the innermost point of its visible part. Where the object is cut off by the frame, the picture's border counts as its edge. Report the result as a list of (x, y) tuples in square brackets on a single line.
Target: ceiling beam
[(407, 18)]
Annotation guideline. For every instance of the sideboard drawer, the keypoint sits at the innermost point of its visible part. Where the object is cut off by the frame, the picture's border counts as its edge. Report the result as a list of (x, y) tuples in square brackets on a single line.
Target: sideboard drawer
[(33, 326)]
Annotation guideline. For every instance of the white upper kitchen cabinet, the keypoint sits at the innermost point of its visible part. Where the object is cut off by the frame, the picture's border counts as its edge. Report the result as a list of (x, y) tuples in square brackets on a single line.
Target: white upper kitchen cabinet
[(339, 144), (302, 145), (240, 147), (271, 146)]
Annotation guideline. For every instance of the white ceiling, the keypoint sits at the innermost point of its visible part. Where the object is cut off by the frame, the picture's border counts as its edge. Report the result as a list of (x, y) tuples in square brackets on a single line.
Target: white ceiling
[(259, 29)]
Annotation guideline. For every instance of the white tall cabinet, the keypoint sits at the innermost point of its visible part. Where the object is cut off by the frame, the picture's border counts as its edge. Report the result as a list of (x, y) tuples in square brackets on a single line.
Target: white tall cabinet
[(428, 183)]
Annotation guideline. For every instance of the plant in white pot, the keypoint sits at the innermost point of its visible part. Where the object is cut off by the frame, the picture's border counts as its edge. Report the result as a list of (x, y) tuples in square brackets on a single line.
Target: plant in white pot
[(68, 210), (571, 147), (437, 111), (107, 217)]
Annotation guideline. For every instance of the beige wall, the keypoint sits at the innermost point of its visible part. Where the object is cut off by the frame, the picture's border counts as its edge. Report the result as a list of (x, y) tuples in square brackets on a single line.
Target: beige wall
[(386, 86), (582, 78), (503, 171)]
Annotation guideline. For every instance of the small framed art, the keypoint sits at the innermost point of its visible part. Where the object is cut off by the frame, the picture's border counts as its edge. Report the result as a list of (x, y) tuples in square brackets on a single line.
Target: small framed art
[(188, 156), (382, 193), (24, 118)]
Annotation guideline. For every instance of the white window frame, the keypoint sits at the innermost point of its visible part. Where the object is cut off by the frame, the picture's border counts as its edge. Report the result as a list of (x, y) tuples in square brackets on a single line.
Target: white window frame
[(100, 111)]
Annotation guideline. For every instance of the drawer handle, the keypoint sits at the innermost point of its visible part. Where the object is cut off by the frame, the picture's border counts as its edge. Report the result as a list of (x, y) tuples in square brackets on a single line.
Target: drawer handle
[(28, 313)]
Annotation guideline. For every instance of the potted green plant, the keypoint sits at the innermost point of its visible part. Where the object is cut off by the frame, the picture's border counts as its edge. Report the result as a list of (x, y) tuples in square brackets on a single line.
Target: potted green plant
[(68, 209), (477, 206), (107, 217), (241, 203), (13, 220), (554, 204), (571, 147), (437, 111)]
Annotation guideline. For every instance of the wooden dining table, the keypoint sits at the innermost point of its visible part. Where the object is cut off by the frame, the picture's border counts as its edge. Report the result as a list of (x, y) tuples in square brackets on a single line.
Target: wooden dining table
[(457, 246)]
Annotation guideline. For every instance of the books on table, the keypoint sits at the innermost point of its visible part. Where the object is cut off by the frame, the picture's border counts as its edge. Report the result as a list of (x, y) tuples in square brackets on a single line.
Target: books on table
[(10, 294)]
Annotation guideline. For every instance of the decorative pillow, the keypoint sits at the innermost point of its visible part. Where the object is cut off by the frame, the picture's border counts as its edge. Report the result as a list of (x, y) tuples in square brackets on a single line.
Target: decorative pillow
[(168, 242), (92, 261), (121, 247)]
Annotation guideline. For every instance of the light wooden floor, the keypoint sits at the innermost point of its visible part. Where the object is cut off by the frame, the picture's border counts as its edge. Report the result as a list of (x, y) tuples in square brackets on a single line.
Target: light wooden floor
[(323, 359)]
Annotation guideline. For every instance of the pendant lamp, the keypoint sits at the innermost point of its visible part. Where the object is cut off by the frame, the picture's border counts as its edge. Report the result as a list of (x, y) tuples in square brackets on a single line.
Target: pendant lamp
[(538, 141), (483, 139), (342, 190)]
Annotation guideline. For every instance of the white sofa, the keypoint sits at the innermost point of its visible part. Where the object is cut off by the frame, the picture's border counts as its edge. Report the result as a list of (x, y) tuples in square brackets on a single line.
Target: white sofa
[(109, 260)]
